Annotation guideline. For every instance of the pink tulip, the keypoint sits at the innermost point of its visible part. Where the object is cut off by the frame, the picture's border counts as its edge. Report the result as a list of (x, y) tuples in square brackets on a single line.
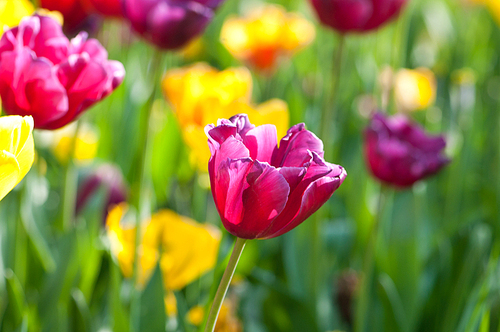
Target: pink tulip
[(45, 75), (261, 190)]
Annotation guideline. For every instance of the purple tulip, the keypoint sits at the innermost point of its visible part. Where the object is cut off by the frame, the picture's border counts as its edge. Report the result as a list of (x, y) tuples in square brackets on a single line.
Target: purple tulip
[(169, 24), (348, 16), (45, 75), (108, 178), (261, 190), (399, 152)]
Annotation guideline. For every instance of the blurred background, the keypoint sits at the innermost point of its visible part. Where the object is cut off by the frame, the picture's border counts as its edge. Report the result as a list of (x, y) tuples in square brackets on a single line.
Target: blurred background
[(373, 258)]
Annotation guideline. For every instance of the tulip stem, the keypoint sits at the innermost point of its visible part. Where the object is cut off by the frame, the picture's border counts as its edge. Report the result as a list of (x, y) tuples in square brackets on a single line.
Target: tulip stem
[(365, 289), (328, 115), (224, 284), (141, 181), (70, 184)]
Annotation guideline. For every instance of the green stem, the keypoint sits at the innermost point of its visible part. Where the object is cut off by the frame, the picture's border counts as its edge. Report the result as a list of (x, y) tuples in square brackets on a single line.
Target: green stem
[(369, 265), (70, 184), (329, 109), (140, 200), (224, 284)]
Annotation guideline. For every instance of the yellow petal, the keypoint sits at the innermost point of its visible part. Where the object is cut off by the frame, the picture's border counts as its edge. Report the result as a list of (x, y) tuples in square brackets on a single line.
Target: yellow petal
[(9, 172), (414, 89), (189, 249), (266, 35), (12, 11), (26, 149), (86, 146), (16, 139), (121, 235), (195, 315)]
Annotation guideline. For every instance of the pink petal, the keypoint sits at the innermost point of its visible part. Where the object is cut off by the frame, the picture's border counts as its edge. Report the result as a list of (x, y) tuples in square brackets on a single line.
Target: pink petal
[(261, 142), (256, 194), (294, 147), (295, 211)]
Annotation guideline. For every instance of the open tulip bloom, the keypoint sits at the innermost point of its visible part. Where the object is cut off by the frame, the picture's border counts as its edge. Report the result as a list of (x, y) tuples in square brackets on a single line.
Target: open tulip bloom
[(400, 153), (53, 79), (261, 190)]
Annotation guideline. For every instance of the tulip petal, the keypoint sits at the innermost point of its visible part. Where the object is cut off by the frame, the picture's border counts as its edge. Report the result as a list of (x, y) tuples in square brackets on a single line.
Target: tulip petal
[(295, 211), (314, 197), (261, 142), (294, 147), (189, 249), (28, 86), (9, 172), (254, 194)]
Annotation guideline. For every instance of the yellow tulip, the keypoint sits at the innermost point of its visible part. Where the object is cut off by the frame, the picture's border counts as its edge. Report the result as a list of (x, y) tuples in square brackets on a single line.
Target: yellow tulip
[(17, 151), (201, 95), (266, 35), (12, 11), (226, 322), (184, 248), (414, 89), (87, 142)]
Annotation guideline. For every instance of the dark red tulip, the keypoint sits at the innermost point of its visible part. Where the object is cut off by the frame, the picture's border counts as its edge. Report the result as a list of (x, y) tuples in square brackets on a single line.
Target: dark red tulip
[(110, 8), (107, 179), (45, 75), (262, 191), (76, 14), (169, 24), (348, 16), (399, 152)]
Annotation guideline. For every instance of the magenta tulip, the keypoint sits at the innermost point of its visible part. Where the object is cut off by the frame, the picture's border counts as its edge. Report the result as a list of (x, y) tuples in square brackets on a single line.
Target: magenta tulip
[(348, 16), (54, 80), (169, 24), (399, 152), (106, 178), (261, 190)]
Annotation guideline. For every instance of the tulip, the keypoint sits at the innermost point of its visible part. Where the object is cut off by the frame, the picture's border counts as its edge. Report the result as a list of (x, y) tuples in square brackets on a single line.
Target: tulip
[(12, 11), (348, 16), (169, 24), (16, 151), (227, 322), (51, 78), (108, 178), (111, 8), (188, 249), (266, 36), (261, 190), (414, 89), (399, 152), (61, 140), (200, 95), (75, 12)]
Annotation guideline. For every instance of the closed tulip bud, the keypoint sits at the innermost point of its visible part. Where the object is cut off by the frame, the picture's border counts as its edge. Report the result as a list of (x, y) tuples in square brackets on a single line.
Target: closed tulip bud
[(108, 178), (261, 190), (399, 152), (76, 14), (16, 151), (108, 8), (169, 24), (45, 75), (347, 16)]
